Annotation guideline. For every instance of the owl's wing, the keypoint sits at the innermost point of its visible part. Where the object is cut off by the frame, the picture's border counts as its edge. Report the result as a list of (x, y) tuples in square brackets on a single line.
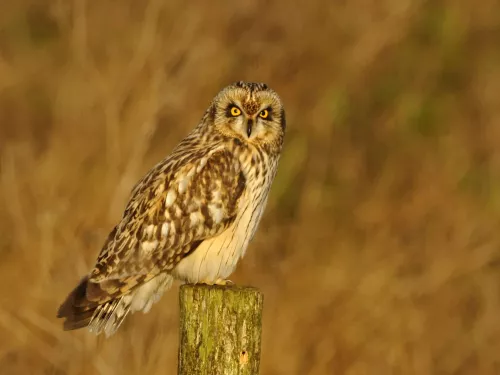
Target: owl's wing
[(171, 211)]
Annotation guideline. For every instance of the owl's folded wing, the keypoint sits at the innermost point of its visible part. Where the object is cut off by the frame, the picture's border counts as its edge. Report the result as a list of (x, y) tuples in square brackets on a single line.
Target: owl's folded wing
[(171, 212)]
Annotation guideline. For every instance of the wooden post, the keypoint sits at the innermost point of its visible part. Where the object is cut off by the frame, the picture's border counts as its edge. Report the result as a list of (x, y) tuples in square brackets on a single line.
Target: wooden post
[(220, 330)]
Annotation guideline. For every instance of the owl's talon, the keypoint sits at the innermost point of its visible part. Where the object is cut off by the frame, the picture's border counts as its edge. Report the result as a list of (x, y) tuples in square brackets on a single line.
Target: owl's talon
[(206, 282), (223, 282)]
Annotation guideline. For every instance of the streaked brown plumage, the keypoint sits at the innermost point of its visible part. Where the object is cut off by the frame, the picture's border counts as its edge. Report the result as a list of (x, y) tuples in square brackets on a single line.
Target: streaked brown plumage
[(191, 216)]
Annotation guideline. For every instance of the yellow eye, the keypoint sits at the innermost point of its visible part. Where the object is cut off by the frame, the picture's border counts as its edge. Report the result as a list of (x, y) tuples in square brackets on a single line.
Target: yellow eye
[(264, 113), (235, 111)]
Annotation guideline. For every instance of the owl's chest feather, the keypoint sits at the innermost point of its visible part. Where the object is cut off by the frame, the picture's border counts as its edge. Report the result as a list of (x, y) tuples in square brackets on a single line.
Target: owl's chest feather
[(216, 258)]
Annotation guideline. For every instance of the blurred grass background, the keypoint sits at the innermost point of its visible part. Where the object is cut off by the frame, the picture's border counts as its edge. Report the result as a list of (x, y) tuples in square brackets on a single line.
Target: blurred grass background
[(379, 252)]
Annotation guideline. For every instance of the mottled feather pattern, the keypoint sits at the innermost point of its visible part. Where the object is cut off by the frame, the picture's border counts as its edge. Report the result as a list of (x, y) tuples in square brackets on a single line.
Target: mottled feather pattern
[(191, 216), (198, 201)]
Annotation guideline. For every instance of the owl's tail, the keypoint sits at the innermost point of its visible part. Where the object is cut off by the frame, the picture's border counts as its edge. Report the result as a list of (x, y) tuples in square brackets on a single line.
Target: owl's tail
[(80, 311), (106, 312), (77, 309)]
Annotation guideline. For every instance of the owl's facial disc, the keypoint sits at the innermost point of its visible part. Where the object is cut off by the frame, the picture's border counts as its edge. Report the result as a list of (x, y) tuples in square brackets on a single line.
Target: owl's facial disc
[(251, 113), (248, 124), (253, 120)]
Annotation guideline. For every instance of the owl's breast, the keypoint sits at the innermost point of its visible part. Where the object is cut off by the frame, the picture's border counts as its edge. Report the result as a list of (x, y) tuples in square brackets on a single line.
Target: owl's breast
[(217, 257)]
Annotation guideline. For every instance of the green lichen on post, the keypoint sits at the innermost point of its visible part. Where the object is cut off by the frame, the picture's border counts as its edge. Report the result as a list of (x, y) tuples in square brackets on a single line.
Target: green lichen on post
[(220, 330)]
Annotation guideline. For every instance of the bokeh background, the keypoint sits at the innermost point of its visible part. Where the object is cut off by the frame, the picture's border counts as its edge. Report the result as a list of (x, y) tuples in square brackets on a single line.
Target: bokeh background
[(379, 252)]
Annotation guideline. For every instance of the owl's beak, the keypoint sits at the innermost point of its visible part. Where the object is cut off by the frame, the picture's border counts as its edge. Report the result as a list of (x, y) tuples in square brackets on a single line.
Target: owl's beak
[(249, 127)]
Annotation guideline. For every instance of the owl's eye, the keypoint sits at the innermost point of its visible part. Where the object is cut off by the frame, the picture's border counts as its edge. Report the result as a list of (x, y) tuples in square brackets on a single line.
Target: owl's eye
[(264, 113), (235, 111)]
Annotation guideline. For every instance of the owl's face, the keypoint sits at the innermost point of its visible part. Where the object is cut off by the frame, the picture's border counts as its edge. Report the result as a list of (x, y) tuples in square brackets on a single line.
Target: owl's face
[(251, 112)]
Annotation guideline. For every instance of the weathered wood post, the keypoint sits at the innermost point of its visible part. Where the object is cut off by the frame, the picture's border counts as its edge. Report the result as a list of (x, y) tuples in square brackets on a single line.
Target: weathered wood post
[(220, 330)]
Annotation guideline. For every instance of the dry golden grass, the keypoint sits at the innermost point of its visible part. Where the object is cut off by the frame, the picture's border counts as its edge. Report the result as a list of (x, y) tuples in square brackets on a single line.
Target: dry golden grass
[(379, 252)]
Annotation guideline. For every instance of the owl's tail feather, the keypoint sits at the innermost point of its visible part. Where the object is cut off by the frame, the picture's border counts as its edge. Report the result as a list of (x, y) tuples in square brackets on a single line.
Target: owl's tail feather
[(102, 307), (101, 313), (109, 316), (77, 309)]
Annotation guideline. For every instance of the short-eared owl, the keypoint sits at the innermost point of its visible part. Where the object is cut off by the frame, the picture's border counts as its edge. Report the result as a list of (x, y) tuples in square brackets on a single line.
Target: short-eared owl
[(191, 216)]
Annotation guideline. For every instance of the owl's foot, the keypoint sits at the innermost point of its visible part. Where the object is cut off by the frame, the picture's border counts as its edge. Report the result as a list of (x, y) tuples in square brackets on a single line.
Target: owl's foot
[(223, 282), (217, 282)]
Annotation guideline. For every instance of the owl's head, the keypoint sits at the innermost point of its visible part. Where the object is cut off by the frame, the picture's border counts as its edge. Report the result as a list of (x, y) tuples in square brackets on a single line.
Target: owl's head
[(250, 112)]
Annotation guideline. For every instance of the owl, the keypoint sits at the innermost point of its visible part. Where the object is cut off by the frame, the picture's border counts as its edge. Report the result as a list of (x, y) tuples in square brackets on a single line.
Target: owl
[(192, 216)]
